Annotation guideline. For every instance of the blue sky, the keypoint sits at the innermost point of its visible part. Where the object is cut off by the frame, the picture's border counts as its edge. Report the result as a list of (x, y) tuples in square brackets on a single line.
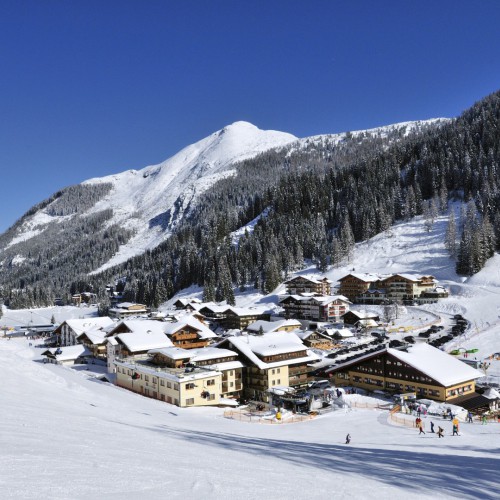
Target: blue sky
[(92, 88)]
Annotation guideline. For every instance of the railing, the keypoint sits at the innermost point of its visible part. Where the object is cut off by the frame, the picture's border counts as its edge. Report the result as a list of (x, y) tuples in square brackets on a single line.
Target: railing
[(264, 417), (373, 406)]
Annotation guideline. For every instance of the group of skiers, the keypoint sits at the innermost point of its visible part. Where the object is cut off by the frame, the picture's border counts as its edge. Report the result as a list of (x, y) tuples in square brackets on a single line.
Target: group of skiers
[(420, 426)]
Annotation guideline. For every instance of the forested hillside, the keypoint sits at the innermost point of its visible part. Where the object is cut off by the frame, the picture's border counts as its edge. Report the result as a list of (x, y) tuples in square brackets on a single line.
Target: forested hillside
[(327, 198), (318, 199)]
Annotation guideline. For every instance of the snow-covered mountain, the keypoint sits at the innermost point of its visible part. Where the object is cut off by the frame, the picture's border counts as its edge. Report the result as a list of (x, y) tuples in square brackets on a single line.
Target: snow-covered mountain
[(151, 201)]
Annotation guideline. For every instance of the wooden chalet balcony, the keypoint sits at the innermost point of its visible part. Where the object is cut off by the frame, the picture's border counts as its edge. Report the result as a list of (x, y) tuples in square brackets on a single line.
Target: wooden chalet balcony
[(186, 344), (185, 336), (298, 370), (298, 380)]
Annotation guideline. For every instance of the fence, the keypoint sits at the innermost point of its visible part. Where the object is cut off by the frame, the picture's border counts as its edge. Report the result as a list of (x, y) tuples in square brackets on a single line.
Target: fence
[(264, 417), (372, 406)]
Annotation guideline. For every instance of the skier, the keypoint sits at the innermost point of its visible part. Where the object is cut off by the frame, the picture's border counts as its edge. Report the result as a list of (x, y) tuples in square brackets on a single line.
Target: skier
[(440, 432), (432, 427), (469, 417), (455, 430), (421, 429), (348, 439)]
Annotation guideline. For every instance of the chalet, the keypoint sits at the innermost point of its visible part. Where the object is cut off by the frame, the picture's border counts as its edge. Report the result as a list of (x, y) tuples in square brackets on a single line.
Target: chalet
[(213, 311), (241, 317), (68, 331), (378, 289), (69, 355), (315, 339), (423, 369), (315, 307), (354, 285), (190, 304), (284, 325), (84, 298), (133, 339), (407, 286), (303, 284), (189, 333), (352, 317), (273, 359), (94, 339), (210, 358), (124, 310)]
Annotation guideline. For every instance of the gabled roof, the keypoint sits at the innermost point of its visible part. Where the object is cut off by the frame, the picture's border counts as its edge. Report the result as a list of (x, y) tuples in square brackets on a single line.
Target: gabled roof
[(139, 326), (268, 345), (366, 277), (271, 326), (436, 364), (318, 299), (362, 314), (96, 335), (143, 341), (82, 325), (247, 311), (67, 353), (316, 281), (191, 320)]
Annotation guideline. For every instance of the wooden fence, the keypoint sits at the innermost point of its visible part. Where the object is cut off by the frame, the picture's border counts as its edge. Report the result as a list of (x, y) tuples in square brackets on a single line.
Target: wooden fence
[(264, 417)]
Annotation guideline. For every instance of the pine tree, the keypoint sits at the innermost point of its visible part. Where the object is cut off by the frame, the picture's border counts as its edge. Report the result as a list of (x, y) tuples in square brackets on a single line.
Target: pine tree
[(451, 235)]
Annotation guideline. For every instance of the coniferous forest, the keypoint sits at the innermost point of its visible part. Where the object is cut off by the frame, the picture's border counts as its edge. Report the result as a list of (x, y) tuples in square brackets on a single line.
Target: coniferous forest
[(314, 203)]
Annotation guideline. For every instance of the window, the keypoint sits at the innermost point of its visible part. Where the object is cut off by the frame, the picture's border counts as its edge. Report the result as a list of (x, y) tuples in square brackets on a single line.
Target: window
[(169, 385), (278, 370), (231, 384), (162, 382), (231, 373), (273, 372), (211, 397), (155, 380), (211, 382), (279, 381), (146, 378), (189, 401), (189, 386), (176, 387), (162, 397)]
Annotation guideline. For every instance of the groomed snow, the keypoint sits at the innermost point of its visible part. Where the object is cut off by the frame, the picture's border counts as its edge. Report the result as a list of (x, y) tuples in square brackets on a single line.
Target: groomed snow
[(70, 436)]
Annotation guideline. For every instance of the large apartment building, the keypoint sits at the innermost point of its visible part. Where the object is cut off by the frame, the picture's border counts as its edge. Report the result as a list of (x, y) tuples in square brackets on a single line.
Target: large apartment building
[(377, 289)]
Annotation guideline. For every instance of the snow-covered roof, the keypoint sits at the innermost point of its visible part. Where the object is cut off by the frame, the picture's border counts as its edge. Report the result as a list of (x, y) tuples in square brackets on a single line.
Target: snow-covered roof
[(366, 277), (248, 311), (137, 341), (362, 314), (190, 320), (140, 326), (308, 278), (436, 364), (68, 353), (202, 354), (319, 299), (96, 335), (82, 325), (268, 345), (271, 326), (491, 393)]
